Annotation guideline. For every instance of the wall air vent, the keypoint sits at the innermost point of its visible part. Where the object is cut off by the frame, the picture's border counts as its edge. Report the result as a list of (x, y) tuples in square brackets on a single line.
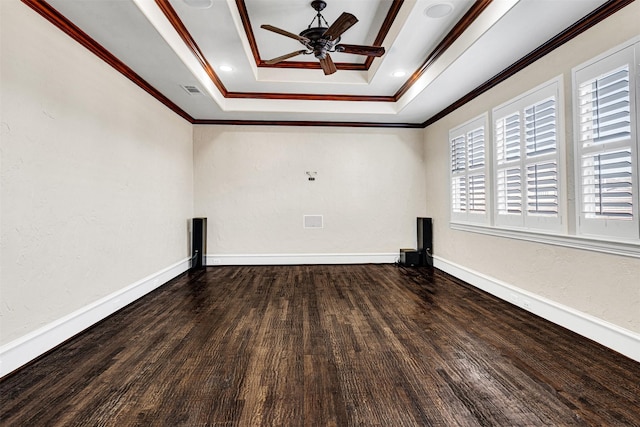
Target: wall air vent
[(191, 90), (312, 221)]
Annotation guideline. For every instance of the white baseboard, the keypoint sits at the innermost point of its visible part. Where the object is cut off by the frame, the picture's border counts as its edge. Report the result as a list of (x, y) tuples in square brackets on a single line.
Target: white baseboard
[(612, 336), (26, 348), (302, 259)]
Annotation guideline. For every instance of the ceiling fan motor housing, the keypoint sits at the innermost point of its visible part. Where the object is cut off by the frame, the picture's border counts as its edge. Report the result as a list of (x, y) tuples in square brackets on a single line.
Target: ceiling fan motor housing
[(318, 44)]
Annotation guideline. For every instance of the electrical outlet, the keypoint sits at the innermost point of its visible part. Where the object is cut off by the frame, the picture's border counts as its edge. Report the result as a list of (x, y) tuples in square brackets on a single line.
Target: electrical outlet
[(216, 261), (526, 304)]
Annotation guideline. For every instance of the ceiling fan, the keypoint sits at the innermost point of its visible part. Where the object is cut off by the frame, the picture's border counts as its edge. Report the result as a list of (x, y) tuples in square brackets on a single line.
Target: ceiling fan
[(321, 40)]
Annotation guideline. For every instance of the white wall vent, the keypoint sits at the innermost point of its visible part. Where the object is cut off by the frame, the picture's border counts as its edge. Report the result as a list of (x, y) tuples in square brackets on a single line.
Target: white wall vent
[(312, 221), (191, 90)]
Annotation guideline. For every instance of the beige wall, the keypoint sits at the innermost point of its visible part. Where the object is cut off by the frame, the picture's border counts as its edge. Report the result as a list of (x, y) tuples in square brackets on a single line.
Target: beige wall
[(96, 177), (250, 182), (605, 286), (98, 180)]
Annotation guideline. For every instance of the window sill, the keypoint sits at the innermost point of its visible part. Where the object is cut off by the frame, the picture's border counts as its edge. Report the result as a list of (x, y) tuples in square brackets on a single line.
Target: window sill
[(629, 249)]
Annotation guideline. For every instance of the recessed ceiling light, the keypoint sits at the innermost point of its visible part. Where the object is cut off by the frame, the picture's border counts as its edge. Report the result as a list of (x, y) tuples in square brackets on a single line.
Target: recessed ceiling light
[(439, 10), (199, 4), (399, 74), (226, 68)]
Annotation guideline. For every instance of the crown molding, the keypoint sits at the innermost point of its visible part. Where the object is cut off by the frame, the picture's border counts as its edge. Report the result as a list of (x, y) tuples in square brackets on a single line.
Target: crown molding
[(307, 123), (465, 22), (61, 22), (45, 10), (582, 25)]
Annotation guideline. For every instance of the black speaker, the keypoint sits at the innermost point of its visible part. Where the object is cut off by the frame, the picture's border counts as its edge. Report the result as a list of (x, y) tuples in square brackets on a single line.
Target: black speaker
[(425, 241), (198, 242)]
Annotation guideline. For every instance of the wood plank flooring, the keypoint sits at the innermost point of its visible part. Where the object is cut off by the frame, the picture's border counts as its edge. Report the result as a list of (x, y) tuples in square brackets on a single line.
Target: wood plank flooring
[(363, 345)]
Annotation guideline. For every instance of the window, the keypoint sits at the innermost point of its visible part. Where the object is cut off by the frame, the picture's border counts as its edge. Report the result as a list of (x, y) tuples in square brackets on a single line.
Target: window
[(606, 146), (509, 180), (527, 146), (469, 191)]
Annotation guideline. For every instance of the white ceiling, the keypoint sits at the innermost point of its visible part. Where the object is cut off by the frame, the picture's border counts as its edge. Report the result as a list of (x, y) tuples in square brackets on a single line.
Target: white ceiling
[(139, 34)]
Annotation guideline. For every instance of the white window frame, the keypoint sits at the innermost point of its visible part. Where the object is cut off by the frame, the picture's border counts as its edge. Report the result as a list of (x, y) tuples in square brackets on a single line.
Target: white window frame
[(511, 168), (615, 59), (467, 208), (572, 233)]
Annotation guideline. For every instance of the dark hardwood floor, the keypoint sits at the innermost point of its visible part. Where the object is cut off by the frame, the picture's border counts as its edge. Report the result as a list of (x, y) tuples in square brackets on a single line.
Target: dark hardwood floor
[(365, 345)]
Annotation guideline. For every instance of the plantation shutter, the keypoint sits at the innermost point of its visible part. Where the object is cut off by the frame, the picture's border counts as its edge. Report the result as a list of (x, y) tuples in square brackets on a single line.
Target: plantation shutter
[(475, 146), (469, 191), (605, 110), (458, 178), (509, 193), (508, 138), (540, 128), (459, 194), (607, 186), (476, 155), (542, 188), (606, 145), (508, 182), (458, 155), (527, 159), (541, 144), (605, 119), (477, 193)]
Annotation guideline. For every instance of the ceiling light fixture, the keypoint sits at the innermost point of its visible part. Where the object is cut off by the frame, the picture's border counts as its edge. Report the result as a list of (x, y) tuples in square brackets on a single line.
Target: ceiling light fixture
[(226, 68), (399, 73), (439, 10)]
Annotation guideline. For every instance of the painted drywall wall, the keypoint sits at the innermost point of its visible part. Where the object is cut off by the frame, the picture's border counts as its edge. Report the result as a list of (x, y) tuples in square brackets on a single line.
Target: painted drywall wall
[(96, 177), (251, 184), (602, 285)]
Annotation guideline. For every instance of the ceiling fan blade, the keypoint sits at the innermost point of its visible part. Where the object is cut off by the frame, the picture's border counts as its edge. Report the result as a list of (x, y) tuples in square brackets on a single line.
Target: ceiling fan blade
[(357, 49), (280, 31), (327, 65), (283, 57), (342, 24)]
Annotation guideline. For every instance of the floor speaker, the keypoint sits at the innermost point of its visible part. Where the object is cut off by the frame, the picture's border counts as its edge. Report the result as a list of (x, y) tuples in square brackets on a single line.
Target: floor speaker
[(198, 242), (425, 241)]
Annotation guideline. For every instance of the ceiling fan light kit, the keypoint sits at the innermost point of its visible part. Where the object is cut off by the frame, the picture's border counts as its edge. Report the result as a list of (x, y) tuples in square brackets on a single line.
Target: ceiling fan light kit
[(323, 39)]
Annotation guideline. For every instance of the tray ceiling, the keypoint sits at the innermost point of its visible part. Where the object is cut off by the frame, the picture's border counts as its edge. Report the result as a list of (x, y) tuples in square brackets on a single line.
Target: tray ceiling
[(205, 59)]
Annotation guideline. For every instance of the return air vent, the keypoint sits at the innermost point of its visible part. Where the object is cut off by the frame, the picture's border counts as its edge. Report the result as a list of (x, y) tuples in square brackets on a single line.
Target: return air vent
[(312, 221), (191, 90)]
